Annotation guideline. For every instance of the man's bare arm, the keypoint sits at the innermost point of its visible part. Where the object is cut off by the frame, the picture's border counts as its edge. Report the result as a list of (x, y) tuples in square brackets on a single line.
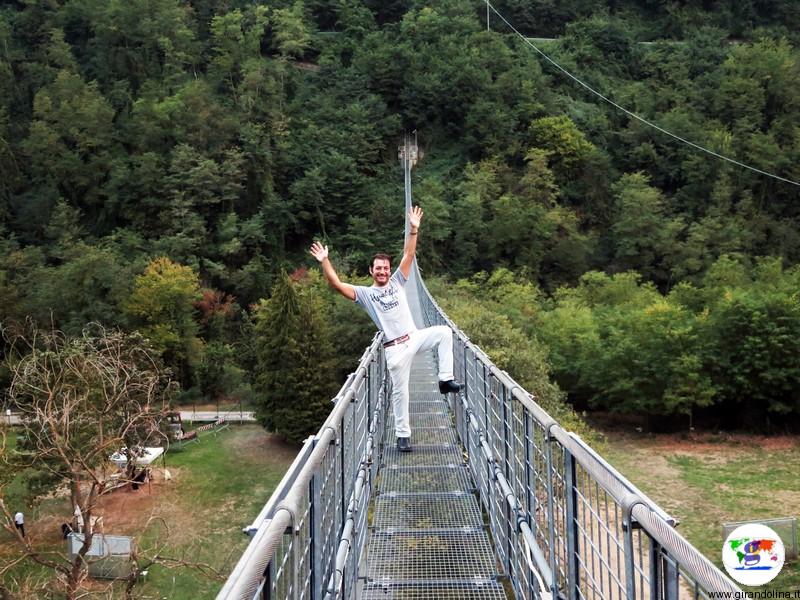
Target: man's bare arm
[(410, 247), (320, 252)]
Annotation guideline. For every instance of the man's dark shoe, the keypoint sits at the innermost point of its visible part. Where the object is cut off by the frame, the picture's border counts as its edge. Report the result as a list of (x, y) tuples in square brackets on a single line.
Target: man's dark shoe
[(404, 444), (446, 387)]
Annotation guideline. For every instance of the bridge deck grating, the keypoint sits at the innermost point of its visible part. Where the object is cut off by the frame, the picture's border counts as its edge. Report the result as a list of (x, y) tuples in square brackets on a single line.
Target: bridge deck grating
[(428, 539), (425, 420), (445, 511), (424, 388), (423, 456), (424, 480), (444, 591), (433, 436), (430, 555), (428, 397), (437, 407)]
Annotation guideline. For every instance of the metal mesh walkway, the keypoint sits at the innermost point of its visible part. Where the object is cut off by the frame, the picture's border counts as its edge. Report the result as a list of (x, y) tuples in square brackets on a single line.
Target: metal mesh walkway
[(427, 539)]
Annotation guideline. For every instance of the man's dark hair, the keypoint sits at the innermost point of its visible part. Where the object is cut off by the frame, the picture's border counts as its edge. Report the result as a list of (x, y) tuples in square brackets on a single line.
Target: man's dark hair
[(379, 256)]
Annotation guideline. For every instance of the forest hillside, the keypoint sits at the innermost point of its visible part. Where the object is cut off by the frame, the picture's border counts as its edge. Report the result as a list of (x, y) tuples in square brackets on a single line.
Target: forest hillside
[(164, 166)]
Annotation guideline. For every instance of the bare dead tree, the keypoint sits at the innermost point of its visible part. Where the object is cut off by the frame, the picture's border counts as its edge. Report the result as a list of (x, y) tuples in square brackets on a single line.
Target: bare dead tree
[(156, 553), (82, 399)]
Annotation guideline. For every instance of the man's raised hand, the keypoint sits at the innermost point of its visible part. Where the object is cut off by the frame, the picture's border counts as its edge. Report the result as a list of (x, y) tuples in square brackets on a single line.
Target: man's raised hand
[(319, 251), (414, 217)]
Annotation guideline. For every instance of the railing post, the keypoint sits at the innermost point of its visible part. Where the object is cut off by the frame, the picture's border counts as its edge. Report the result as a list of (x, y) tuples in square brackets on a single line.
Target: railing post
[(571, 483), (266, 591), (466, 370), (671, 574), (551, 513), (487, 433), (295, 560), (342, 486), (316, 576), (510, 527), (630, 568), (368, 381), (486, 393), (530, 509), (655, 570), (465, 427)]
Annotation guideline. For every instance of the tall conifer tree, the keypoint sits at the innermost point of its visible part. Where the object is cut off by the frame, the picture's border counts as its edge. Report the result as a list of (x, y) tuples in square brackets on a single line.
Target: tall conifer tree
[(294, 376)]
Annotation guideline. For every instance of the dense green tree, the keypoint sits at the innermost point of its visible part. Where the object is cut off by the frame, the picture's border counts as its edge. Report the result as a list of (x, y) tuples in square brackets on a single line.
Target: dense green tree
[(523, 356), (294, 377), (644, 235), (519, 222), (219, 377), (755, 334), (480, 189), (120, 41), (161, 305), (69, 141), (291, 35), (626, 349), (754, 320), (543, 18), (236, 39)]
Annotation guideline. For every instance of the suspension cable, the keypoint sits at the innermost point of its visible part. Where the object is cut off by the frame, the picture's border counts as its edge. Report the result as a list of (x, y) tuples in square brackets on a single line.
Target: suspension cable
[(633, 114)]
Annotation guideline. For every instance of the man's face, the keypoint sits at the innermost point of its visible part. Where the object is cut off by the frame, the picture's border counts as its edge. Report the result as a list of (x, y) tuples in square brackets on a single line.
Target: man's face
[(380, 271)]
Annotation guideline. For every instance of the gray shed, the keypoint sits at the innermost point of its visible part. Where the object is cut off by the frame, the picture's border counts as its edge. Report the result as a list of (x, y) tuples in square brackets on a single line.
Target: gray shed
[(109, 556)]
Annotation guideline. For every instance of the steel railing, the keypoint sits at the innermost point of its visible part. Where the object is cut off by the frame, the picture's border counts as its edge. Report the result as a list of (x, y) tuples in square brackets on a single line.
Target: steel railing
[(565, 523), (307, 540)]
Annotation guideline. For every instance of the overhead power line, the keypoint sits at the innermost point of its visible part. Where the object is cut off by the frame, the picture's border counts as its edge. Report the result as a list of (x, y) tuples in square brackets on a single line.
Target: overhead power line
[(631, 113)]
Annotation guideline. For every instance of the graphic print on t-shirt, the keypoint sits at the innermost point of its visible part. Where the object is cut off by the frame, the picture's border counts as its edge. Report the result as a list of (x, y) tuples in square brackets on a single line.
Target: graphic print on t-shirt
[(386, 299)]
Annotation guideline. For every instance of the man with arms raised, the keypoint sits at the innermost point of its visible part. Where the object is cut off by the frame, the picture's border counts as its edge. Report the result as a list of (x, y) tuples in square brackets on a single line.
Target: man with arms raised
[(385, 302)]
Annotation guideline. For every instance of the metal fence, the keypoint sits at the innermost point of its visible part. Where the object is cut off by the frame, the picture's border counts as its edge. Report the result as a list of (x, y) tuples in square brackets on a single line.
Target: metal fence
[(307, 541), (565, 524)]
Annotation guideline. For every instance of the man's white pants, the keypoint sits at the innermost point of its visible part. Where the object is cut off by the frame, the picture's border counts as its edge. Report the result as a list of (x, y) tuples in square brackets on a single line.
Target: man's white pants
[(398, 360)]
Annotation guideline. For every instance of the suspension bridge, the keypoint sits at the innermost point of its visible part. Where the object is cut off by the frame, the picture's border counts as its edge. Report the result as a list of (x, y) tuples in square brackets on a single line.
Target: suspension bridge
[(496, 501)]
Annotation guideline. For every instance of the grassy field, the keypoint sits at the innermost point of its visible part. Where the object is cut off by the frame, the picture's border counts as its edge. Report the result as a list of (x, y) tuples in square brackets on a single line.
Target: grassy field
[(706, 481), (218, 485)]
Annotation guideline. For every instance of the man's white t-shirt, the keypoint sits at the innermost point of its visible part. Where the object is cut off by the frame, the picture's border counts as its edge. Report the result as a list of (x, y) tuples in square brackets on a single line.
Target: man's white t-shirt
[(388, 306), (19, 519)]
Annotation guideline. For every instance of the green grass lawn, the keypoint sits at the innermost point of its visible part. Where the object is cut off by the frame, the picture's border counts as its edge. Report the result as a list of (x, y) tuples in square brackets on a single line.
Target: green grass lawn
[(222, 484), (218, 486), (707, 482)]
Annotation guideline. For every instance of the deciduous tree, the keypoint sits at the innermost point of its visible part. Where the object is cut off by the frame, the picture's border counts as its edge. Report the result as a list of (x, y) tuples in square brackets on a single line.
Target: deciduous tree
[(81, 400)]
